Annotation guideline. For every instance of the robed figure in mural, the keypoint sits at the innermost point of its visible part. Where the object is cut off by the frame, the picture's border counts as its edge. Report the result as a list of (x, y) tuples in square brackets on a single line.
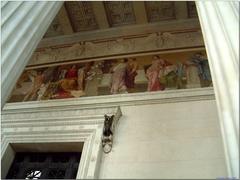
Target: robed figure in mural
[(71, 85), (118, 84), (152, 75), (193, 79), (180, 75), (203, 68), (131, 72), (37, 80)]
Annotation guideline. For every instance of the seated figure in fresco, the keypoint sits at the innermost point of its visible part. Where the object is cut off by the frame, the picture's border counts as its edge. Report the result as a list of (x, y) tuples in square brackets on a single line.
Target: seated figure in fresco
[(131, 72), (73, 85), (203, 69), (67, 82), (152, 74), (118, 84), (37, 81), (70, 81)]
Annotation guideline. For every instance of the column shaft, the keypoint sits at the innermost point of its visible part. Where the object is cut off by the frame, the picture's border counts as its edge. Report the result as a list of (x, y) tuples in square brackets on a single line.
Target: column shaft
[(22, 30), (219, 22)]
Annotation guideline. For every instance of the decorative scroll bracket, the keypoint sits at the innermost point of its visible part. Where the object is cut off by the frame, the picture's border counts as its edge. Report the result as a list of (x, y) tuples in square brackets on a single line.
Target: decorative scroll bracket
[(110, 123)]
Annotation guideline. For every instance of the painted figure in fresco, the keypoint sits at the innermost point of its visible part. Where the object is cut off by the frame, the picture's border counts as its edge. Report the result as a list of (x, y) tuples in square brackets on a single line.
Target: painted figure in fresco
[(63, 73), (203, 68), (80, 79), (67, 83), (106, 66), (193, 80), (24, 77), (84, 73), (118, 78), (95, 75), (168, 75), (73, 85), (42, 90), (72, 72), (181, 75), (152, 75), (131, 72), (37, 81), (165, 69)]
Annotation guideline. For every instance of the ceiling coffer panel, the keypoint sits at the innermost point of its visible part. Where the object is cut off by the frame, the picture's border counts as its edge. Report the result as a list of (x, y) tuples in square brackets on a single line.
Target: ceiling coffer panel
[(120, 13), (81, 15), (159, 11), (54, 29), (192, 10)]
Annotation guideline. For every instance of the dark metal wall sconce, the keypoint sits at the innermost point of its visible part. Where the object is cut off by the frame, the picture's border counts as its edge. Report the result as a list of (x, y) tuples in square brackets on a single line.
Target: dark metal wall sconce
[(107, 137), (110, 122)]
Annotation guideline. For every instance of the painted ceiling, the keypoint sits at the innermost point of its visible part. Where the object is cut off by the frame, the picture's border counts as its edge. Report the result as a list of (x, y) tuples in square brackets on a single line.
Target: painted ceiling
[(78, 16)]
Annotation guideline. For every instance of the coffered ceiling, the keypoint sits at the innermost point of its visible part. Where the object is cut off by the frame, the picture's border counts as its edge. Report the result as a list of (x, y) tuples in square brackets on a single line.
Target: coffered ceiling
[(79, 16)]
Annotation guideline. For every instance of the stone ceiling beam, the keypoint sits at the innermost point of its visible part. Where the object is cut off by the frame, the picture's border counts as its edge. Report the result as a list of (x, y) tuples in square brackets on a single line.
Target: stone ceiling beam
[(100, 14), (181, 10), (140, 12), (64, 21), (124, 31)]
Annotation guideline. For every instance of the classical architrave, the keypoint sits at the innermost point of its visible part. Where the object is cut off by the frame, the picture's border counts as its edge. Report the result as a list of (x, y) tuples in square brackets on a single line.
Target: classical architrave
[(71, 125), (124, 31)]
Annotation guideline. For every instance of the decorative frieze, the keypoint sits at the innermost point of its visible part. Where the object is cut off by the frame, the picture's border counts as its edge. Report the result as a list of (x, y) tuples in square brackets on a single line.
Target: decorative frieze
[(152, 42)]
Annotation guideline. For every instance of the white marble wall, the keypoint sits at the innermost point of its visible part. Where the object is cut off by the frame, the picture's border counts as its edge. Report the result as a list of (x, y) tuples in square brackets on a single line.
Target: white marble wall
[(173, 140)]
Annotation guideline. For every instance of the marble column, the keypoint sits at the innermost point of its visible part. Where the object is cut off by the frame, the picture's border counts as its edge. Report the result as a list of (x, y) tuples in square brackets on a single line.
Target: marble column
[(220, 26), (23, 25)]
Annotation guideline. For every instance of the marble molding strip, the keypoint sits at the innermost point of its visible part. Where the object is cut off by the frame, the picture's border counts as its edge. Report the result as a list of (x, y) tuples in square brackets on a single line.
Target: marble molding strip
[(220, 27), (96, 103)]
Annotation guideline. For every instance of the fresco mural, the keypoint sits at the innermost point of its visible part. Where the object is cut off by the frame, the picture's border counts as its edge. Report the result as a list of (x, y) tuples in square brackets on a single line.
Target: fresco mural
[(106, 77)]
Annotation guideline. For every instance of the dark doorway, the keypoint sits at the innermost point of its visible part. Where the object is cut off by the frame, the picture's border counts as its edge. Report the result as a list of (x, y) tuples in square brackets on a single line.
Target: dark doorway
[(31, 165)]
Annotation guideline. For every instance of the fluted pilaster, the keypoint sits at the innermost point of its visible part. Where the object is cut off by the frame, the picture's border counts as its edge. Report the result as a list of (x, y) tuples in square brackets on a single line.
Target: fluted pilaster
[(23, 25), (220, 26)]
